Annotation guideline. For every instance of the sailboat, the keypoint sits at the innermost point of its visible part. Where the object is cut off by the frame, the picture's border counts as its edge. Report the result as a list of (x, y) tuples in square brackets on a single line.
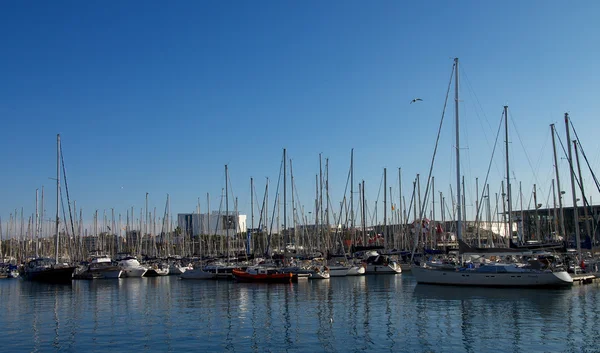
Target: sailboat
[(490, 274), (46, 269)]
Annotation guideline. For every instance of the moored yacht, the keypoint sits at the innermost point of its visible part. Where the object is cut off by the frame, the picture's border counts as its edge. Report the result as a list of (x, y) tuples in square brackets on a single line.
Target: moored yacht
[(155, 270), (131, 267), (101, 267), (380, 264), (47, 270)]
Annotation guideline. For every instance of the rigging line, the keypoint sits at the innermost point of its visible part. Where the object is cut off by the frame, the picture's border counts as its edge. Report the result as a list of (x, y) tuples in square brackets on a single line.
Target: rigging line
[(523, 146), (571, 167), (490, 165), (62, 159), (473, 94), (62, 201), (379, 190), (437, 140), (584, 156), (579, 182), (262, 207), (472, 91), (537, 168), (275, 206)]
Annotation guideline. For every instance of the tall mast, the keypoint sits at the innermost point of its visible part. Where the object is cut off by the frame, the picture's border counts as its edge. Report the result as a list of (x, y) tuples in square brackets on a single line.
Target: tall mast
[(146, 219), (293, 208), (385, 244), (317, 212), (554, 209), (57, 194), (320, 213), (227, 210), (432, 227), (352, 190), (508, 189), (458, 203), (572, 172), (364, 213), (251, 215), (400, 214), (584, 200), (41, 235), (537, 218), (285, 207), (208, 222), (327, 204), (37, 220), (522, 235), (477, 212), (561, 215)]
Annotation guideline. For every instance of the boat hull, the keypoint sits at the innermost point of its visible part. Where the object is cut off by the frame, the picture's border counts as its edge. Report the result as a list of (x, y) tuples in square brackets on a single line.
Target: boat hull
[(156, 272), (509, 279), (356, 271), (338, 271), (391, 268), (198, 274), (244, 276), (99, 274), (133, 272), (319, 275), (178, 270), (51, 275)]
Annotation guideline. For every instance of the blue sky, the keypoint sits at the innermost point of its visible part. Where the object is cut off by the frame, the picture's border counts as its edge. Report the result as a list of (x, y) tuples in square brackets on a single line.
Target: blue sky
[(156, 97)]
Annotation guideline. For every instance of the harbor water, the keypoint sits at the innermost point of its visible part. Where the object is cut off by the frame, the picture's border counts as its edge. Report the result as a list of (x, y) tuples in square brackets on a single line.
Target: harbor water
[(383, 313)]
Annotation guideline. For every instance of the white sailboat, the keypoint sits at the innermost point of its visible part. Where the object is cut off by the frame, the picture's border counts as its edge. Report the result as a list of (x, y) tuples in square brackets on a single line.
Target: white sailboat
[(490, 275)]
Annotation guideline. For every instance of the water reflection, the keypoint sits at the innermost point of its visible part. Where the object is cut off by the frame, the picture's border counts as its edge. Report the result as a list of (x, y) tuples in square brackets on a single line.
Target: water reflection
[(528, 318), (357, 314)]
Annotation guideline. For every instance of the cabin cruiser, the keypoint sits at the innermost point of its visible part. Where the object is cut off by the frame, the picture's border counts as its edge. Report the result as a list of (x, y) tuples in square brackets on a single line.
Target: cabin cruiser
[(131, 267), (380, 264), (101, 267)]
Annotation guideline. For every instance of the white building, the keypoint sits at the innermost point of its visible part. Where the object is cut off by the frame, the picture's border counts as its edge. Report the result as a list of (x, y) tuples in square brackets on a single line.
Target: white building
[(211, 224)]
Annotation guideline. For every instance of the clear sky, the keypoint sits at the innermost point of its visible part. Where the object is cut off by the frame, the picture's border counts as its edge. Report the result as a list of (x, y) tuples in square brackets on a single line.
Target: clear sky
[(153, 96)]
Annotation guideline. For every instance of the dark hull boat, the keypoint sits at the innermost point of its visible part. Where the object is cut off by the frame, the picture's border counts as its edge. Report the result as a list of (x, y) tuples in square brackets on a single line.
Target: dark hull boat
[(45, 270), (258, 274)]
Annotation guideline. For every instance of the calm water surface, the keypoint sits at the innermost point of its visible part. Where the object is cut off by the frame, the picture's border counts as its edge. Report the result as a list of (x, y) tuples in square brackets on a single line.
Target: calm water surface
[(355, 314)]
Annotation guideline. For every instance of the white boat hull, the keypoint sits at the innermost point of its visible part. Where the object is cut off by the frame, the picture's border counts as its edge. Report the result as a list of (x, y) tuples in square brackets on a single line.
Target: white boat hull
[(178, 270), (338, 271), (198, 274), (356, 271), (112, 274), (392, 268), (505, 279), (405, 267), (133, 272), (319, 275)]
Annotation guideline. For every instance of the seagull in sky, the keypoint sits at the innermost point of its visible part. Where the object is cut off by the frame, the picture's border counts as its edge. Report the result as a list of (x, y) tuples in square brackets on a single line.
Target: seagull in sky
[(416, 100)]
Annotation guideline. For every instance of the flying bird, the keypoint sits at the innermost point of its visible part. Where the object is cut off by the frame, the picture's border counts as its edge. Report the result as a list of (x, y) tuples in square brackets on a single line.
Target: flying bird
[(416, 100)]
